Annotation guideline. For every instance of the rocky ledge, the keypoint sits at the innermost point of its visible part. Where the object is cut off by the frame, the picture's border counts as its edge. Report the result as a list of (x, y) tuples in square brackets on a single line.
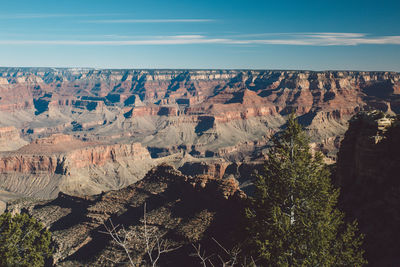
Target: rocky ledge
[(64, 163), (180, 209)]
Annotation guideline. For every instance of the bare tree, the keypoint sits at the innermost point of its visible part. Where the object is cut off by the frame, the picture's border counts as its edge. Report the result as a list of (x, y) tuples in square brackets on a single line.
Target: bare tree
[(230, 258), (232, 255), (154, 245), (202, 256), (121, 239)]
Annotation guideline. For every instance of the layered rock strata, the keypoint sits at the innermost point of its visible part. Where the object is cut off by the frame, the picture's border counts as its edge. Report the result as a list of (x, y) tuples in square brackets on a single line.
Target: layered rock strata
[(192, 117), (63, 163)]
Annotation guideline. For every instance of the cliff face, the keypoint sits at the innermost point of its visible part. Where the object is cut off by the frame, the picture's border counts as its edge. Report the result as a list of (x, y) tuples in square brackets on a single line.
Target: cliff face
[(180, 209), (63, 163), (239, 93), (104, 102), (10, 139), (368, 168), (193, 117)]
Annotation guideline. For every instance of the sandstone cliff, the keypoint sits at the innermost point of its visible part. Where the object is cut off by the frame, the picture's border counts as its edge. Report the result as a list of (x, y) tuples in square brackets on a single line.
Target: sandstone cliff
[(10, 139), (63, 163), (225, 95), (101, 103)]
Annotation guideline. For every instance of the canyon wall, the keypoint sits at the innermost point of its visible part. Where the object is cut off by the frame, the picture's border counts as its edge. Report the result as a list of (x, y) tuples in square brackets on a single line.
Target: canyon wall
[(368, 170), (200, 121), (63, 163)]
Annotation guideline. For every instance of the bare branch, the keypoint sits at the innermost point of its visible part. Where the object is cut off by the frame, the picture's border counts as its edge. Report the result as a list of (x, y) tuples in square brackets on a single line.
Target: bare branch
[(202, 256), (154, 246), (233, 254), (120, 241), (153, 243)]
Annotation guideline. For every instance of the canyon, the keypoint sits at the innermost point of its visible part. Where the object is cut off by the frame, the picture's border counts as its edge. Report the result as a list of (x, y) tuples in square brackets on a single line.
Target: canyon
[(87, 131)]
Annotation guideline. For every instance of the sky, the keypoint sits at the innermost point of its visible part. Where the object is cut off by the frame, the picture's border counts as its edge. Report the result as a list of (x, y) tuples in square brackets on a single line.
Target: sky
[(203, 34)]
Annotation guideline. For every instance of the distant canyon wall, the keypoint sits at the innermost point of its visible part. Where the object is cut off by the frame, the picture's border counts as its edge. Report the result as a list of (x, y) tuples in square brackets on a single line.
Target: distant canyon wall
[(62, 163), (84, 131), (277, 90)]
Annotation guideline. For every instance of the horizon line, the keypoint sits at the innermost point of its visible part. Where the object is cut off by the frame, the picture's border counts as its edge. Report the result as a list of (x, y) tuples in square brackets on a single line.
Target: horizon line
[(200, 69)]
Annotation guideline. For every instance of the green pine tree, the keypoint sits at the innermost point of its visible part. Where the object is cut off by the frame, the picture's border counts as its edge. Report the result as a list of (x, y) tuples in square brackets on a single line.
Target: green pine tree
[(292, 218), (23, 241)]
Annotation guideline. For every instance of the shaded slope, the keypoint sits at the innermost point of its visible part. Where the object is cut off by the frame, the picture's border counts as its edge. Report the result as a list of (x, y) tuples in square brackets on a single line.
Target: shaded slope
[(180, 209), (368, 170)]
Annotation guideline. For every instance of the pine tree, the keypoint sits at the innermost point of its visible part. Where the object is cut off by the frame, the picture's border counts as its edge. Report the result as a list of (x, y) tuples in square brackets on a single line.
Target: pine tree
[(292, 218), (23, 241)]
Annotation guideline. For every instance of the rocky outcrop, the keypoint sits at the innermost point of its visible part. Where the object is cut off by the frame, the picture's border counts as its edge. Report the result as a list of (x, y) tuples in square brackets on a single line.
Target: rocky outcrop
[(367, 173), (10, 139), (213, 169), (62, 162), (180, 209), (46, 154)]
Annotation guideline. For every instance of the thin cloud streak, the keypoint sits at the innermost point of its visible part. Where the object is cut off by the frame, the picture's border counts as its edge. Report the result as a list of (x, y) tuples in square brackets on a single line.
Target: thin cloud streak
[(322, 39), (171, 41), (304, 39), (47, 16), (295, 35), (127, 21)]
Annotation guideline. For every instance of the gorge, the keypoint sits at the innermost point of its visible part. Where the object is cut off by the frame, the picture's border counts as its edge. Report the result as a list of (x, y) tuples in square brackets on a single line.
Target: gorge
[(87, 131)]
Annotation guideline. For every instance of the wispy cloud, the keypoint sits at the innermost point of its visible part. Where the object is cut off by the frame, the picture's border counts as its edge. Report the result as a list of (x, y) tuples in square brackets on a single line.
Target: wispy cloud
[(171, 40), (298, 39), (55, 15), (127, 21), (314, 39), (293, 35), (332, 39)]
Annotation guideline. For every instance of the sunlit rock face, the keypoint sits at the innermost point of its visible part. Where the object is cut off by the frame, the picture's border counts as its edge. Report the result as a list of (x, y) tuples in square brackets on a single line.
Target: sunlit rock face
[(83, 131)]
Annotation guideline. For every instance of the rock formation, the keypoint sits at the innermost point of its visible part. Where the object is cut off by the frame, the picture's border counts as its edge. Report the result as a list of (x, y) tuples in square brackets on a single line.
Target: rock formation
[(192, 117), (181, 209), (10, 139), (62, 163), (368, 170)]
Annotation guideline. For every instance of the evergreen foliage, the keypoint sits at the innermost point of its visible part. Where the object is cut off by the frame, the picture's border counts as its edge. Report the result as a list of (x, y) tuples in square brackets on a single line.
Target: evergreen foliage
[(23, 241), (292, 219)]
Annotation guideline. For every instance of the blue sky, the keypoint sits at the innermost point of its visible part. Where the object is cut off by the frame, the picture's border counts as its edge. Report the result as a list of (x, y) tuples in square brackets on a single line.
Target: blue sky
[(314, 35)]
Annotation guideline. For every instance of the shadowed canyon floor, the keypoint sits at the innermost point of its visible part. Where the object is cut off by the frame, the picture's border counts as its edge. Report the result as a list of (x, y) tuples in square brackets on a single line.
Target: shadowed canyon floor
[(84, 131)]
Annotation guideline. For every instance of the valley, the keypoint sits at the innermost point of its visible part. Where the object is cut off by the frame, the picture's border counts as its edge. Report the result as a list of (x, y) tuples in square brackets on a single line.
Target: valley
[(88, 131)]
